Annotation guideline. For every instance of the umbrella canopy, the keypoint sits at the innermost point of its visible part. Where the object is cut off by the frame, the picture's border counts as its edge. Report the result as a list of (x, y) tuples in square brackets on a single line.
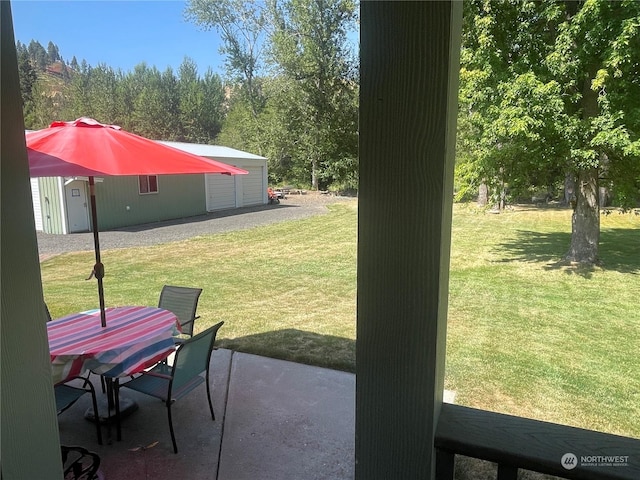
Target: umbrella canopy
[(89, 148)]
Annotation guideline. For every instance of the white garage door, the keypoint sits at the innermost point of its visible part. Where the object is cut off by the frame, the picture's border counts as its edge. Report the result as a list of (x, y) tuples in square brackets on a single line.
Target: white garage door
[(221, 192), (252, 188)]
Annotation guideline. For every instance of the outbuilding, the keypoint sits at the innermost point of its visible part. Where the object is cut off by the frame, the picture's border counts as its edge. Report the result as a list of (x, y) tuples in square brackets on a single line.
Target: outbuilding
[(60, 204)]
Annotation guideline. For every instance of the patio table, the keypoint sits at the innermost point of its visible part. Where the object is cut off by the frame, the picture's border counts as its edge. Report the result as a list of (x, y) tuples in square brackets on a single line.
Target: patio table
[(135, 338)]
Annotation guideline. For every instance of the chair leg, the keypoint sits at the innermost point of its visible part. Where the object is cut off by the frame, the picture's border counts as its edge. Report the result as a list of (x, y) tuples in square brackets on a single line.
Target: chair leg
[(96, 413), (213, 417), (113, 396), (117, 400), (101, 381), (173, 436), (102, 384)]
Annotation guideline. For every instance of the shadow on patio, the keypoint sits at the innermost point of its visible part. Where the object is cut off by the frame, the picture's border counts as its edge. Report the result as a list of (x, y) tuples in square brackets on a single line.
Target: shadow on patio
[(274, 420)]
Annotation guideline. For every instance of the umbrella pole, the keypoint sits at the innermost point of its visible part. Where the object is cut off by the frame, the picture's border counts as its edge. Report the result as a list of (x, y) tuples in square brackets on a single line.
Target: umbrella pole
[(98, 268)]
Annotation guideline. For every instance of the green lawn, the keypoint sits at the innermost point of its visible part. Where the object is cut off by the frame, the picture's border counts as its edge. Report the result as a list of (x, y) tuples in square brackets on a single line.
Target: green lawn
[(531, 337), (526, 335)]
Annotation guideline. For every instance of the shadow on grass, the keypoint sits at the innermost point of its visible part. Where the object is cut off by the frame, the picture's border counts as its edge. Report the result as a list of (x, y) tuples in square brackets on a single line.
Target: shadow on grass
[(619, 251), (337, 353)]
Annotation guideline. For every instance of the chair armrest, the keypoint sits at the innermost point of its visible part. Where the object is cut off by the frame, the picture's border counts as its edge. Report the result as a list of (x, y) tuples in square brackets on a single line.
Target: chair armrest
[(182, 325), (188, 322)]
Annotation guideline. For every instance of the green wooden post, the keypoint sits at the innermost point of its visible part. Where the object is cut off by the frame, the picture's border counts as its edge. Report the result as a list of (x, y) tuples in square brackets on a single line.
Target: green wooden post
[(409, 83), (30, 443)]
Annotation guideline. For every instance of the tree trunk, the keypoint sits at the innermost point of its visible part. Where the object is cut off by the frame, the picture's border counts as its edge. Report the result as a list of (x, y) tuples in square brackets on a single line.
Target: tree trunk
[(585, 222), (569, 190), (483, 195), (605, 197), (314, 173)]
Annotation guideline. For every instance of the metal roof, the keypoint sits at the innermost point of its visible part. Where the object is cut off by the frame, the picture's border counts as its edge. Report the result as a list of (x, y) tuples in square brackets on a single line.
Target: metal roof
[(215, 151)]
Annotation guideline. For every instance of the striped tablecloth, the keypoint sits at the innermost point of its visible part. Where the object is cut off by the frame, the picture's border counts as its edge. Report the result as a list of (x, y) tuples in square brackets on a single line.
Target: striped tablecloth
[(135, 338)]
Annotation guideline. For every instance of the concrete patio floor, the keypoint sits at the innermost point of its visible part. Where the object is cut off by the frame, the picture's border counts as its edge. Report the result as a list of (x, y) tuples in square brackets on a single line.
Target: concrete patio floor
[(274, 420)]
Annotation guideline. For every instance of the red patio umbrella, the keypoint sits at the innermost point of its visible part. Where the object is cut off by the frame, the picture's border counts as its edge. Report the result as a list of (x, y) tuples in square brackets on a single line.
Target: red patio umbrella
[(89, 148)]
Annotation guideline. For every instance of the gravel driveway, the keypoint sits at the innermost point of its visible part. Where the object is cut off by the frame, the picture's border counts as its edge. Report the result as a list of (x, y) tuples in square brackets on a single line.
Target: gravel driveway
[(294, 207)]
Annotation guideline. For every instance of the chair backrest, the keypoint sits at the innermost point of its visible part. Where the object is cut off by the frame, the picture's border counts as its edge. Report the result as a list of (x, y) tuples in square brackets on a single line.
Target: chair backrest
[(183, 302), (193, 357)]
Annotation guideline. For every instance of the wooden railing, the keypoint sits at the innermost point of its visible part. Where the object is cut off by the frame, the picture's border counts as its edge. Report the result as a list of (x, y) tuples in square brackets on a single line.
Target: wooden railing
[(520, 443)]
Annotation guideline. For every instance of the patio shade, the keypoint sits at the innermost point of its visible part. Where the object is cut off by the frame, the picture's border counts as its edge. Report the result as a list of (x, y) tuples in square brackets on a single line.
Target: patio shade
[(88, 148)]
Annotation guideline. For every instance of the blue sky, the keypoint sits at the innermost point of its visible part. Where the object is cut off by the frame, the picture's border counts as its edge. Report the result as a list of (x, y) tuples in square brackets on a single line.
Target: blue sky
[(121, 34)]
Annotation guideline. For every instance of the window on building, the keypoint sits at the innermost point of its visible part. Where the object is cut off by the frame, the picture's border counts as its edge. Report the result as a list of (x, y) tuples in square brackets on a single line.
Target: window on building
[(148, 184)]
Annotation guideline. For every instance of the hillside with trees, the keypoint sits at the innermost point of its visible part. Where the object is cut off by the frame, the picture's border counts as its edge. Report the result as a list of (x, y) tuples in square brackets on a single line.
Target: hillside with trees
[(182, 107)]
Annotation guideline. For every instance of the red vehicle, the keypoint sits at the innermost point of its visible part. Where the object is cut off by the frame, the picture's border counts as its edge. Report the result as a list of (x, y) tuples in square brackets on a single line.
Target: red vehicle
[(274, 196)]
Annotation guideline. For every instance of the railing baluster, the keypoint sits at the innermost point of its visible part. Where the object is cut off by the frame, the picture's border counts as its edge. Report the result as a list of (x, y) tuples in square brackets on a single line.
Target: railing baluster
[(507, 472), (445, 464)]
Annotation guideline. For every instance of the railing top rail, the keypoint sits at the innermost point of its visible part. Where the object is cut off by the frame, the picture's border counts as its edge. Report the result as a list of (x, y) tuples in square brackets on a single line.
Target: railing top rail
[(538, 446)]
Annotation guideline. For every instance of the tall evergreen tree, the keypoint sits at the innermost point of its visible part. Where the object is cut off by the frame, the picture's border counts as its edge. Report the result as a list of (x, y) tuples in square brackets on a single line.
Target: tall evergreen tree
[(53, 54), (28, 78), (38, 55), (155, 113), (200, 104), (45, 107), (78, 94), (191, 98), (213, 106)]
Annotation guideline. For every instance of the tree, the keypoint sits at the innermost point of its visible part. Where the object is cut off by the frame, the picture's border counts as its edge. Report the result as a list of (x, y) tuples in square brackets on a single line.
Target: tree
[(200, 103), (45, 109), (241, 25), (308, 45), (549, 90), (155, 114), (190, 99), (303, 114), (37, 54), (28, 79), (103, 98), (53, 54), (78, 94), (283, 133), (213, 105)]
